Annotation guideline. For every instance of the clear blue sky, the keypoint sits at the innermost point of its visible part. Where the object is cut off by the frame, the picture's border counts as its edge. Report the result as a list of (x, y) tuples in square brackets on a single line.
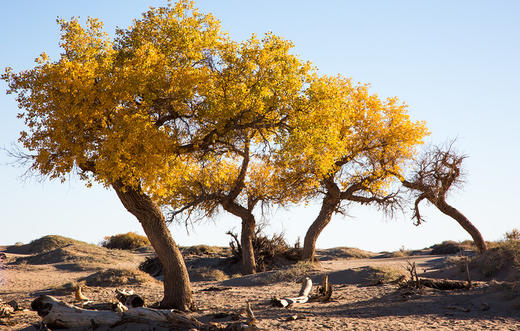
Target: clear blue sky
[(455, 63)]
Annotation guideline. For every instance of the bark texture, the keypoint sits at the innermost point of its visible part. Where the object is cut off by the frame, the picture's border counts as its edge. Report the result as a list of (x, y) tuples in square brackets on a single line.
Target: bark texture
[(246, 236), (464, 222), (177, 286), (329, 204)]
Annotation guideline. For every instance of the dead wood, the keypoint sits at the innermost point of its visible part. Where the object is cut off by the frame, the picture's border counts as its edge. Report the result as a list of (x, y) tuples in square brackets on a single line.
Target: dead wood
[(302, 298), (59, 314), (129, 298), (6, 311), (443, 284), (251, 320)]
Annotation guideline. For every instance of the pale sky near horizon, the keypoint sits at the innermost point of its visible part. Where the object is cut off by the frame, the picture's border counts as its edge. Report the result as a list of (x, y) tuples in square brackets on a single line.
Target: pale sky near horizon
[(455, 63)]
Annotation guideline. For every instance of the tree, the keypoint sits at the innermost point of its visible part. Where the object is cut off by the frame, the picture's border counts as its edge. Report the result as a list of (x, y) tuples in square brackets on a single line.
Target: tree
[(434, 175), (134, 113), (261, 75), (345, 147)]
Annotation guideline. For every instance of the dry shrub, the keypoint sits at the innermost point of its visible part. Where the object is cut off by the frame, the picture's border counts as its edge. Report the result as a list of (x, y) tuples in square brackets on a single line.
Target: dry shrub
[(292, 273), (452, 247), (386, 275), (117, 277), (128, 241), (269, 252), (202, 250), (152, 266), (503, 256), (349, 253), (207, 273), (43, 244), (513, 235)]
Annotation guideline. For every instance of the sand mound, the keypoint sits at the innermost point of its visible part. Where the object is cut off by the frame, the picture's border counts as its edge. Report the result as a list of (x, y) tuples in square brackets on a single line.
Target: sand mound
[(43, 244), (78, 256), (501, 262), (344, 253), (117, 277)]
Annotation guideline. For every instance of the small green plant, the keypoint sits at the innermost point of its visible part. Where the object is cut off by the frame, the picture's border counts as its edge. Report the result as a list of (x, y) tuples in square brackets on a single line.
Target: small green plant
[(129, 241)]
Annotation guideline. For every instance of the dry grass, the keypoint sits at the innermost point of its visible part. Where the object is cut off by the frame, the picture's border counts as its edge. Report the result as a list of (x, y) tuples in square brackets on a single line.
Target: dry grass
[(503, 258), (205, 250), (117, 277), (78, 257), (452, 247), (128, 241), (292, 273), (207, 274), (348, 253), (386, 275)]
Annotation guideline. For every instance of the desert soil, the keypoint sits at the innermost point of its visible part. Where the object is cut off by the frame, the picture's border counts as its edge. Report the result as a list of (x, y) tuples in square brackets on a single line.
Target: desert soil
[(357, 302)]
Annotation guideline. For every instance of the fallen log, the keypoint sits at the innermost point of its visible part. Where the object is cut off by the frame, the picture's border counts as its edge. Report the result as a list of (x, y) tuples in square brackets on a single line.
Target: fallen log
[(302, 298), (58, 314)]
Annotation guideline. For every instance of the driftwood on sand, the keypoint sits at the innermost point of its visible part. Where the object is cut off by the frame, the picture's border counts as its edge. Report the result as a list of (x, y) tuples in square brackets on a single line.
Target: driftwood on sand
[(301, 298), (59, 314)]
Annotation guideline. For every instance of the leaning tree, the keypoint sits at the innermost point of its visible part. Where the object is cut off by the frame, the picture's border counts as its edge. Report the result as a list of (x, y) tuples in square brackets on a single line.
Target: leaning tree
[(434, 174), (132, 113), (344, 147)]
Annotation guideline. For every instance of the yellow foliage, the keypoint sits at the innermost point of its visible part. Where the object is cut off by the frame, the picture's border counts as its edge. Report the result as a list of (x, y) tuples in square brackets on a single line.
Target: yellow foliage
[(344, 132), (170, 103)]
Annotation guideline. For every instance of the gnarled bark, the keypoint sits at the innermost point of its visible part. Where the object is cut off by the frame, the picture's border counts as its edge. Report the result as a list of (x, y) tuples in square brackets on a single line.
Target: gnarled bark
[(464, 222), (330, 202), (246, 236), (177, 286)]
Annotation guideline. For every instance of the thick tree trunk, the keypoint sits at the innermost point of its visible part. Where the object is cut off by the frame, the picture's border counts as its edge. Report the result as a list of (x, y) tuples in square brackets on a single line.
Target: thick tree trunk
[(328, 206), (464, 222), (246, 237), (177, 286), (246, 241)]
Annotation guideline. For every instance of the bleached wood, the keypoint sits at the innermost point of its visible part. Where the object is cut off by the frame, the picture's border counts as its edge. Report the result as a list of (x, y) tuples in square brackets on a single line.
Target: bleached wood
[(62, 315)]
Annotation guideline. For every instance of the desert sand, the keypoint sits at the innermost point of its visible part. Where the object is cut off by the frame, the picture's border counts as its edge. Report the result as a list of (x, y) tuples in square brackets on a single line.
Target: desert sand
[(361, 299)]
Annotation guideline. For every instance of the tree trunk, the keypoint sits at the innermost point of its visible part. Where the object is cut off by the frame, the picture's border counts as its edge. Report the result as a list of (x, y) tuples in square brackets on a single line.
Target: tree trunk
[(177, 286), (464, 222), (246, 237), (328, 206), (246, 241)]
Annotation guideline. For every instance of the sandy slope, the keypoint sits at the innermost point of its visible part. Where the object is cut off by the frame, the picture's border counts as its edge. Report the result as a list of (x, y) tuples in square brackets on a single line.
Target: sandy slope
[(356, 304)]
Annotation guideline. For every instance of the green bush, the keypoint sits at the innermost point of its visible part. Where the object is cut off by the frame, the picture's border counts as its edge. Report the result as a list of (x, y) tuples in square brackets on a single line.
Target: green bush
[(130, 240)]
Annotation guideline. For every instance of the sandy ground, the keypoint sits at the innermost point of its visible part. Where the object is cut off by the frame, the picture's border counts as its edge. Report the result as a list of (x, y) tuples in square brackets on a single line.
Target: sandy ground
[(357, 304)]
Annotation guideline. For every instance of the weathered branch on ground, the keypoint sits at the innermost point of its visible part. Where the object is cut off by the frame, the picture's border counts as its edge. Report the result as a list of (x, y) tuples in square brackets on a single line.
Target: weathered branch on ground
[(59, 314), (129, 298), (302, 298), (323, 292), (439, 284)]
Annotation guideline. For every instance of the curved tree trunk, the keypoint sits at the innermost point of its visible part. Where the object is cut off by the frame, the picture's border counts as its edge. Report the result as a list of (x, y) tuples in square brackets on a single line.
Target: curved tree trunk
[(464, 222), (177, 286), (328, 206), (246, 236), (246, 241)]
